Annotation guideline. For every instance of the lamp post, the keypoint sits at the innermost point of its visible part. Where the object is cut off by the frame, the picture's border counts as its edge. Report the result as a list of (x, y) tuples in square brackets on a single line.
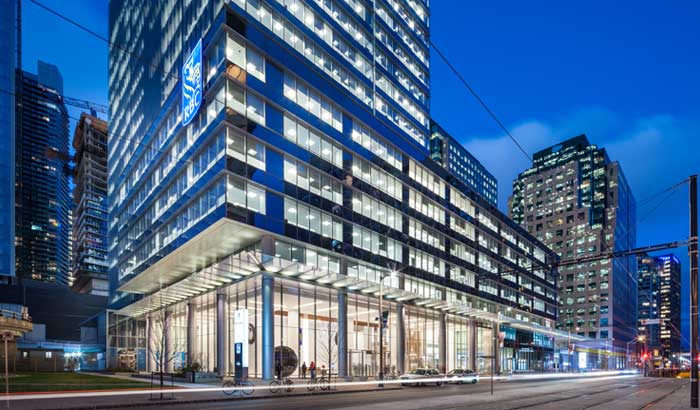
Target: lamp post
[(639, 338)]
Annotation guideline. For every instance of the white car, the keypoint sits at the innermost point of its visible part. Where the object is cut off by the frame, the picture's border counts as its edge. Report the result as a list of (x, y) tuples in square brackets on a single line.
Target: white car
[(416, 377), (462, 376)]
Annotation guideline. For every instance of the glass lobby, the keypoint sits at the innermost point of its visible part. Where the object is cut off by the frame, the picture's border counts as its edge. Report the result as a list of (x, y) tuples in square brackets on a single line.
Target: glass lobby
[(306, 322)]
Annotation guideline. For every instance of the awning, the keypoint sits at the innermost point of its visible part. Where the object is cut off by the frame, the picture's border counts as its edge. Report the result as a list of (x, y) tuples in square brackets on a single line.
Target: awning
[(215, 243)]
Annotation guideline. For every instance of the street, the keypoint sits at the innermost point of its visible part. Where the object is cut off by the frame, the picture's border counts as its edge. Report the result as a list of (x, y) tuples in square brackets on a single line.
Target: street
[(618, 393), (609, 392)]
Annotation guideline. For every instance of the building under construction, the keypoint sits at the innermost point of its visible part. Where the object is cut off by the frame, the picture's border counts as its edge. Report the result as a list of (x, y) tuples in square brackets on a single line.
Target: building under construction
[(89, 214)]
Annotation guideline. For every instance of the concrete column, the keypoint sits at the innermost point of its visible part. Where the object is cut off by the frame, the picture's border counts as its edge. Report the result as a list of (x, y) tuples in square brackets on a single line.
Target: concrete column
[(268, 327), (342, 333), (190, 333), (472, 344), (221, 333), (149, 354), (443, 343), (165, 354), (401, 340)]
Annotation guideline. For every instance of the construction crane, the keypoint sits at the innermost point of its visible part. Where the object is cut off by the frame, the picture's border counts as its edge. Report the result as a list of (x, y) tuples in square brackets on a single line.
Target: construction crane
[(86, 105)]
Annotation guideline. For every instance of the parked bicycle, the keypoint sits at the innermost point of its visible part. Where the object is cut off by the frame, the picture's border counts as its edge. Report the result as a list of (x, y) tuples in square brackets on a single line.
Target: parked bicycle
[(320, 383), (237, 388), (277, 386)]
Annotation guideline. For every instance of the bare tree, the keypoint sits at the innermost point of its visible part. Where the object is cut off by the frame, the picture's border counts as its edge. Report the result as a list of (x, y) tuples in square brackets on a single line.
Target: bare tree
[(163, 348), (329, 349)]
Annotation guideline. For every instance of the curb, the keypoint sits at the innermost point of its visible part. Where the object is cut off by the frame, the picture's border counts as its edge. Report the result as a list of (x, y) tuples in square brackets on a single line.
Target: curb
[(213, 400)]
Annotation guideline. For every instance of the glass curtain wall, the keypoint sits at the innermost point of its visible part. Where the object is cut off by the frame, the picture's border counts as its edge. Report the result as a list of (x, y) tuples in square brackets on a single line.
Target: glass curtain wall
[(484, 349), (306, 330), (204, 331), (457, 343), (422, 338)]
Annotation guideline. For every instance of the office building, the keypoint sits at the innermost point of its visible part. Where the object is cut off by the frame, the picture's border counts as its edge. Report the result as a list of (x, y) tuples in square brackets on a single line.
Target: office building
[(90, 260), (459, 162), (8, 50), (42, 192), (578, 202), (660, 305), (299, 198)]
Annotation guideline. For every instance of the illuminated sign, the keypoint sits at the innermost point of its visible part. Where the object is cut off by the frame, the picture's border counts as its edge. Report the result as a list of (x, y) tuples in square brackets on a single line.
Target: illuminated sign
[(240, 333), (192, 84)]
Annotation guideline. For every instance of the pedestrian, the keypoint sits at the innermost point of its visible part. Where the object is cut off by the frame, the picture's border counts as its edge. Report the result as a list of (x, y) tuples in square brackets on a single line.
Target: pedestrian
[(312, 369), (323, 370), (278, 370), (303, 370)]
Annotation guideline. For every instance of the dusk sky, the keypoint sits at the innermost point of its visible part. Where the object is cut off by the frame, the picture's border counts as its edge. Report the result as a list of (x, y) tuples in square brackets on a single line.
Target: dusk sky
[(624, 73)]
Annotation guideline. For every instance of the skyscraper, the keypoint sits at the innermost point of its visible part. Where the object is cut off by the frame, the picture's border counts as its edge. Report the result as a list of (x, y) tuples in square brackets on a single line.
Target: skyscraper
[(42, 177), (270, 184), (8, 64), (578, 202), (90, 213), (459, 162), (660, 303)]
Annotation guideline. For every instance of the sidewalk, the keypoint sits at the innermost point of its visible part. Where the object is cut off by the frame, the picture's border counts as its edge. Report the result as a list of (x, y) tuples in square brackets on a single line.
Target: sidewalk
[(192, 393), (125, 376)]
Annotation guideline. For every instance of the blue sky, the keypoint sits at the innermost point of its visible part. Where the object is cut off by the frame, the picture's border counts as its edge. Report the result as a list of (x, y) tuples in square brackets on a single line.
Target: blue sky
[(625, 73)]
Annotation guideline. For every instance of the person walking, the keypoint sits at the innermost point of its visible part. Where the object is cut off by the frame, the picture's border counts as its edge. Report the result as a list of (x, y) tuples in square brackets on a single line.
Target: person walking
[(303, 370), (312, 369)]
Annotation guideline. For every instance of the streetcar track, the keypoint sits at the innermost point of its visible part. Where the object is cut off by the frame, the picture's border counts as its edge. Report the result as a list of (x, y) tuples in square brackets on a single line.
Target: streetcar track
[(617, 386), (598, 403), (657, 400)]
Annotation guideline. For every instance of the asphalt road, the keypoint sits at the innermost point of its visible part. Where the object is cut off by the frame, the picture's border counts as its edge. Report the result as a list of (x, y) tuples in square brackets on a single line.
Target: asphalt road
[(617, 393)]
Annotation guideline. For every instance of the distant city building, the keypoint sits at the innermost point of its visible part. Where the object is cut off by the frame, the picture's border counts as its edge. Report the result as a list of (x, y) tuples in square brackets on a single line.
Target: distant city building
[(67, 329), (42, 194), (579, 203), (660, 303), (8, 56), (451, 154), (89, 213)]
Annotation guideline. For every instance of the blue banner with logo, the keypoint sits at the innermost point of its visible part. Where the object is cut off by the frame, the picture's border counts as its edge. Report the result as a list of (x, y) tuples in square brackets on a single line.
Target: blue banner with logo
[(192, 84)]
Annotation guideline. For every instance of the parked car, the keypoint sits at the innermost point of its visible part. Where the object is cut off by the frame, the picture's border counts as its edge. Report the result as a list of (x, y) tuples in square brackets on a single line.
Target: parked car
[(415, 377), (461, 376)]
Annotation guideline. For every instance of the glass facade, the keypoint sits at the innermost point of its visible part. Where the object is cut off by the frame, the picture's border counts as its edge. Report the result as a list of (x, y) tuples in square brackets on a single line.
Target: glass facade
[(659, 304), (303, 193), (7, 134), (42, 195), (448, 152)]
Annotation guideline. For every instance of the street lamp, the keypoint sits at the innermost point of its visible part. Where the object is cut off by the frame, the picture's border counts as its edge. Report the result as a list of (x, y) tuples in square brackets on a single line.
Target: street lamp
[(642, 339), (639, 338)]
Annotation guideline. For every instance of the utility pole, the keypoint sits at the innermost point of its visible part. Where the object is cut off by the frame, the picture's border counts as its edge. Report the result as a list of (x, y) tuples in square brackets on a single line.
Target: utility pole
[(693, 254)]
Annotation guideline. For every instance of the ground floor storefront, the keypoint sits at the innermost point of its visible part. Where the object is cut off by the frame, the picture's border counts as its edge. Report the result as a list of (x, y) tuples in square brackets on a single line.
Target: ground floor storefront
[(288, 321)]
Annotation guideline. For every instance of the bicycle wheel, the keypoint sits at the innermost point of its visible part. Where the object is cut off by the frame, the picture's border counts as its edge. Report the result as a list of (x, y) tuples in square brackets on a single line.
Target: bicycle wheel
[(247, 388), (289, 385), (324, 384), (311, 385), (229, 388), (274, 386)]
